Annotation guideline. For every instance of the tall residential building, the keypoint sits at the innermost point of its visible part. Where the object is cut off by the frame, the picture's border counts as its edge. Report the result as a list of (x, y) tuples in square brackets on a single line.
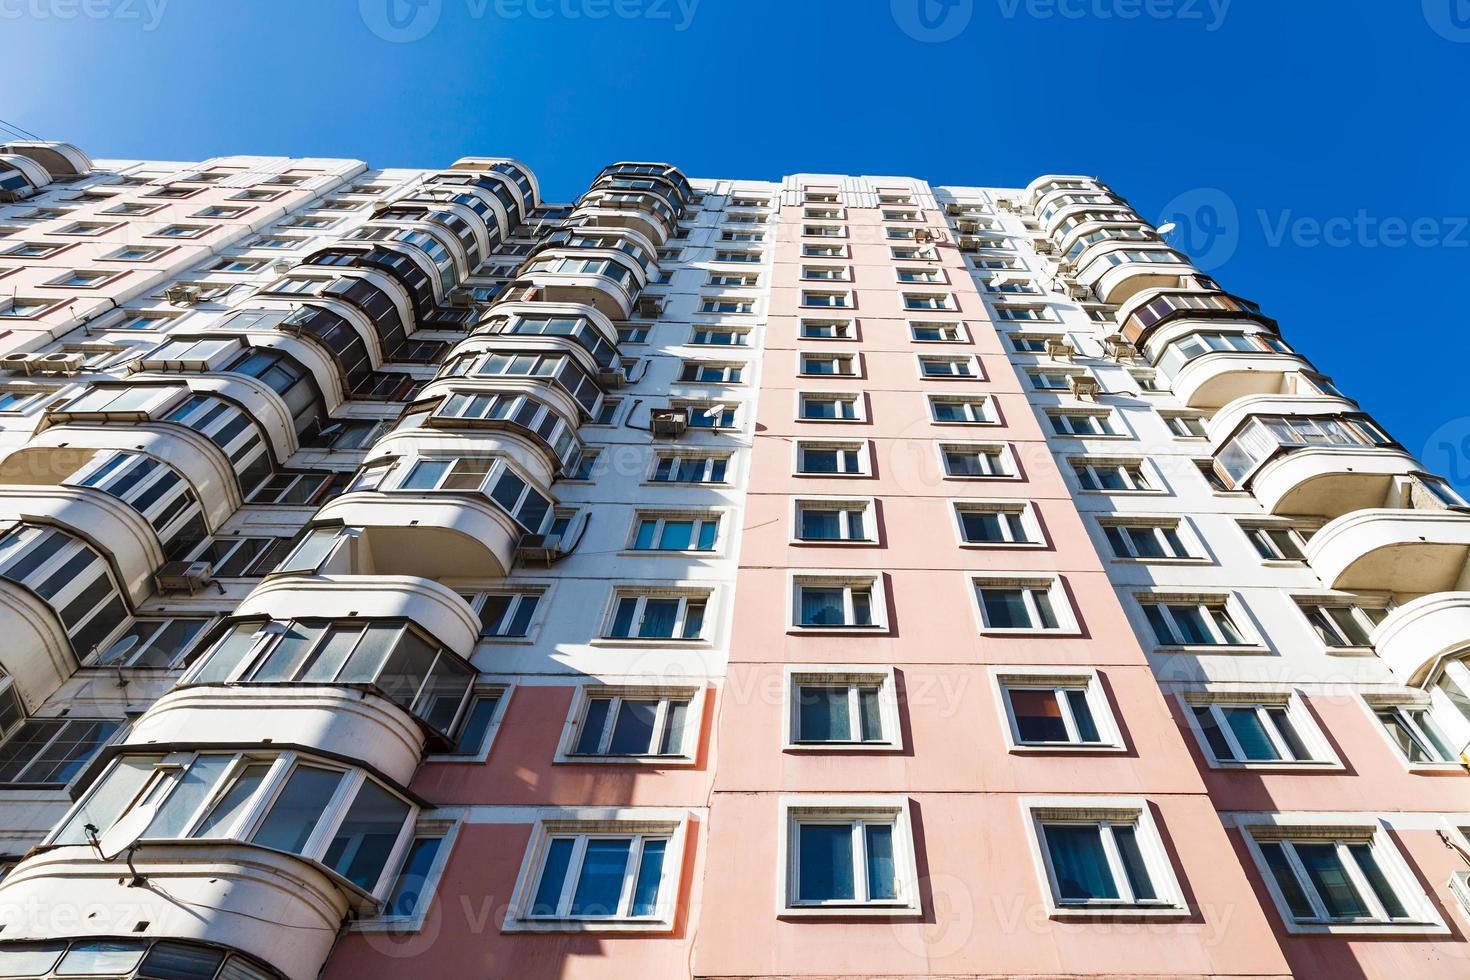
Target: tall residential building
[(404, 576)]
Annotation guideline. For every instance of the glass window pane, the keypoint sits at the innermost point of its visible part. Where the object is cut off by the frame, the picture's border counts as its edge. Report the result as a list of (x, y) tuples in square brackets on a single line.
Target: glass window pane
[(295, 813), (1378, 881), (1331, 880), (90, 959), (1079, 863), (180, 961), (674, 721), (1038, 715), (633, 731), (189, 792), (650, 873), (411, 884), (825, 869), (1134, 866), (593, 722), (659, 617), (882, 877), (1255, 743), (1286, 880), (870, 716), (553, 876), (221, 819), (476, 724), (1005, 609), (823, 714), (1082, 716), (361, 847), (600, 882)]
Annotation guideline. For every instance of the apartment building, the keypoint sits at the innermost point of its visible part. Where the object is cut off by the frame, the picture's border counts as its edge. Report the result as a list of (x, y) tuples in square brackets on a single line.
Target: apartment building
[(839, 576)]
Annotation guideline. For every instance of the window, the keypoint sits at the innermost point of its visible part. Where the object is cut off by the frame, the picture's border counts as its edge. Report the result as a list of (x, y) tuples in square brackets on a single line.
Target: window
[(825, 407), (180, 231), (658, 615), (1032, 343), (966, 409), (936, 333), (17, 401), (1036, 605), (834, 520), (727, 304), (1110, 476), (1411, 727), (1083, 423), (919, 274), (690, 469), (1326, 877), (826, 330), (831, 272), (1100, 855), (135, 253), (1051, 708), (1240, 729), (414, 883), (970, 462), (675, 532), (1342, 625), (152, 642), (607, 412), (998, 523), (633, 335), (719, 337), (708, 414), (87, 228), (505, 615), (849, 707), (631, 723), (948, 367), (814, 251), (50, 752), (480, 474), (927, 301), (594, 874), (828, 365), (242, 557), (823, 231), (1185, 426), (1279, 542), (287, 487), (838, 602), (1146, 540), (1018, 314), (32, 250), (831, 458), (22, 307), (1187, 621), (737, 255), (848, 856), (585, 465), (711, 372), (1052, 380)]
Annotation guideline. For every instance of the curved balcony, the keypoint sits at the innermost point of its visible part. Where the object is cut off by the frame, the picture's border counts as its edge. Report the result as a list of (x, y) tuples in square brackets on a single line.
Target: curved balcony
[(480, 212), (645, 213), (276, 908), (61, 160), (1117, 278), (37, 654), (646, 169), (348, 722), (1217, 378), (579, 281), (447, 224), (1047, 185), (431, 535), (20, 177), (516, 174), (389, 594), (1088, 240), (1392, 550), (1064, 220), (1416, 636), (550, 360), (544, 416), (497, 191), (110, 526), (1329, 482), (1224, 423), (132, 958), (584, 242), (590, 328), (1195, 297)]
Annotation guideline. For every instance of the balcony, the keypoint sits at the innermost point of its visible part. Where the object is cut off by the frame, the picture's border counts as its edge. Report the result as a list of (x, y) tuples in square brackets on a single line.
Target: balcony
[(1329, 482), (61, 160), (427, 535), (644, 170), (1119, 274), (1216, 378), (1407, 552), (230, 895), (1416, 636), (646, 214), (1193, 296), (607, 285), (543, 415)]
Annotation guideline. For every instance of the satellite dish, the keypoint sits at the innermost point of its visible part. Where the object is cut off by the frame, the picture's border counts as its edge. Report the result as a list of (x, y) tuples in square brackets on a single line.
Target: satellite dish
[(119, 649), (1167, 227), (715, 411), (125, 832)]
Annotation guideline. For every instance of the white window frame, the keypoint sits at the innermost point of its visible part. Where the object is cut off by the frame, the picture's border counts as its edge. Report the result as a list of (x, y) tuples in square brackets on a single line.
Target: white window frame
[(1061, 605), (1400, 703), (1057, 679), (1188, 543), (867, 505), (1370, 829), (708, 459), (1226, 601), (985, 416), (1106, 811), (833, 808), (1007, 468), (847, 580), (698, 516), (853, 676), (684, 593), (1144, 483), (501, 690), (970, 362), (843, 329), (1025, 510), (852, 360), (584, 694), (799, 448), (669, 823), (857, 398), (1297, 715)]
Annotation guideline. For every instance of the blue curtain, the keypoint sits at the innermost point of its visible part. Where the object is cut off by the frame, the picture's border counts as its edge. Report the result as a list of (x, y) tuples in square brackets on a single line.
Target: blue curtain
[(1080, 865)]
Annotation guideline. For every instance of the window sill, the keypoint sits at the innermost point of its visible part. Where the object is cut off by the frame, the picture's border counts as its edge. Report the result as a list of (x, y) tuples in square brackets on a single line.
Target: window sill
[(832, 543), (987, 545), (801, 420), (836, 747), (797, 630), (1031, 748), (1064, 633), (569, 925), (837, 476), (1251, 649), (849, 911), (641, 641), (1116, 911), (1365, 928), (1311, 765), (654, 761), (1160, 561)]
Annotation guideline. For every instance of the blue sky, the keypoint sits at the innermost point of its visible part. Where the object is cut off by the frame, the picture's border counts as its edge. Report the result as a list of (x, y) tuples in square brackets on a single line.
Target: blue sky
[(1315, 151)]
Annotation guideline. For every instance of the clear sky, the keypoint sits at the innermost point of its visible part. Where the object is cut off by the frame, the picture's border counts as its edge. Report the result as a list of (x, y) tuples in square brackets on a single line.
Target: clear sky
[(1313, 151)]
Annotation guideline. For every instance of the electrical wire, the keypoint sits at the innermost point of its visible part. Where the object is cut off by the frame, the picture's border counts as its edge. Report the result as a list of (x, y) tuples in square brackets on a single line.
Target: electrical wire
[(22, 133)]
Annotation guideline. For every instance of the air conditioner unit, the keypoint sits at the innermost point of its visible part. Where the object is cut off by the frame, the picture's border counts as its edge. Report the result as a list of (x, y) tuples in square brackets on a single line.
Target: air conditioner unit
[(1006, 204), (182, 295), (1064, 264), (282, 266), (1043, 245), (58, 362), (183, 576), (1078, 291), (669, 422), (538, 547), (968, 225), (650, 307), (611, 377), (1117, 347), (19, 363), (969, 244), (460, 298), (1083, 386), (1059, 349)]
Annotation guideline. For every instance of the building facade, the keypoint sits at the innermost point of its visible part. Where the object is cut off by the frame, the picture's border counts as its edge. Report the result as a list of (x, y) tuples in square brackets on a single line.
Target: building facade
[(834, 577)]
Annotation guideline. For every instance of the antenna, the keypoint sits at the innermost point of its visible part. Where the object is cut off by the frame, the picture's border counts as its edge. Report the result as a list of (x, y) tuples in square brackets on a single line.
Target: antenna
[(119, 649), (1166, 227), (122, 838), (715, 411)]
